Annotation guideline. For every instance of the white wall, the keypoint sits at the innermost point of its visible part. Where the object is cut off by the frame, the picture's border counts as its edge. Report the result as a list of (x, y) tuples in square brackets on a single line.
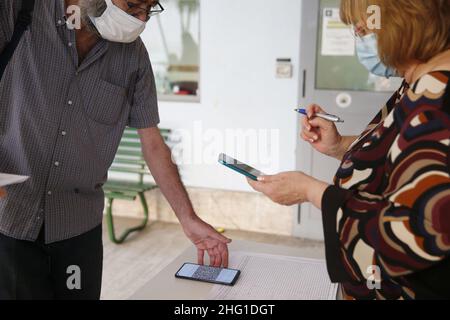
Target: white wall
[(240, 42)]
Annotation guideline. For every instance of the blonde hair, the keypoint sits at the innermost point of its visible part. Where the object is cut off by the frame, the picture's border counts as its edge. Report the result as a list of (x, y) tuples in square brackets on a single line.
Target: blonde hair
[(411, 30), (354, 12)]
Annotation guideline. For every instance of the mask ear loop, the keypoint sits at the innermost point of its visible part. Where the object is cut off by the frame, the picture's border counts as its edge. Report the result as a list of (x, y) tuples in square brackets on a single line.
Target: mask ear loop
[(91, 23), (93, 28)]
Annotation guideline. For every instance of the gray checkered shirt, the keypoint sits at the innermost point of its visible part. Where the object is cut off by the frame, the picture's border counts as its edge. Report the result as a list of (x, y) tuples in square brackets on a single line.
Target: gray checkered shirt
[(61, 123)]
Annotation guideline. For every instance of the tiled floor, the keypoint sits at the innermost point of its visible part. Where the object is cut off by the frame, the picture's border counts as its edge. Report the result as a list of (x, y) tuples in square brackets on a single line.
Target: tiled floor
[(129, 266)]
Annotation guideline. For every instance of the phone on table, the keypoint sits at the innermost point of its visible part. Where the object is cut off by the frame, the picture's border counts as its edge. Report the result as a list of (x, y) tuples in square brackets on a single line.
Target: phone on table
[(240, 167), (196, 272)]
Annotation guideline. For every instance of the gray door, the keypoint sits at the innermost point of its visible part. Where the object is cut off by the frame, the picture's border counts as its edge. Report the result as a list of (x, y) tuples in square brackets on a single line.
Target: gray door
[(334, 79)]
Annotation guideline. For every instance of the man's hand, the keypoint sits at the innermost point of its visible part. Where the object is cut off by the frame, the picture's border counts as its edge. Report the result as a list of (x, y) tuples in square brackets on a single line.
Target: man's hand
[(2, 193), (206, 238)]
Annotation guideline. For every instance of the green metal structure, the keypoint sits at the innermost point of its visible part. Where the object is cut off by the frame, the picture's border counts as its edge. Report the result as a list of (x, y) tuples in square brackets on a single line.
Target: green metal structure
[(129, 160)]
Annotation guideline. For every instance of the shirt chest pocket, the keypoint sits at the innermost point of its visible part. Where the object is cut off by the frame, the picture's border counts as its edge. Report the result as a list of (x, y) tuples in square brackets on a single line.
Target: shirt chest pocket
[(106, 103)]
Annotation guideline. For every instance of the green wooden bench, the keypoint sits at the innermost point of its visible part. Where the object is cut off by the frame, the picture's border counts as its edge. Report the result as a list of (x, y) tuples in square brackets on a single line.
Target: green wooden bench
[(129, 160)]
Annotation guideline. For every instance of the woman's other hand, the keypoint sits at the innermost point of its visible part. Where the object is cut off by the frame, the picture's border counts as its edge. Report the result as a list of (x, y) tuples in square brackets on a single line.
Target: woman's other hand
[(322, 134), (290, 188)]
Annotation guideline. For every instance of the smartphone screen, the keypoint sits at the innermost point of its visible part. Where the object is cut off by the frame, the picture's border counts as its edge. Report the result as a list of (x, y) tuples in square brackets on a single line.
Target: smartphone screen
[(197, 272), (240, 167)]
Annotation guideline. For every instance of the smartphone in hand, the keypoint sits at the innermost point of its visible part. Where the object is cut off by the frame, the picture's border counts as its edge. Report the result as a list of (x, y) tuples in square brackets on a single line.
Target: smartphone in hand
[(240, 167)]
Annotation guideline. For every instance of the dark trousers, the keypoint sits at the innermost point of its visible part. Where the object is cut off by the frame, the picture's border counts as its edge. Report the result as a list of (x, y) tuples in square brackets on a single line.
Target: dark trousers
[(65, 270)]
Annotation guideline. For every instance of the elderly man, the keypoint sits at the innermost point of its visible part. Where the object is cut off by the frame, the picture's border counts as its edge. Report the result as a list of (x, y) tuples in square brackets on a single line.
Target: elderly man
[(65, 100)]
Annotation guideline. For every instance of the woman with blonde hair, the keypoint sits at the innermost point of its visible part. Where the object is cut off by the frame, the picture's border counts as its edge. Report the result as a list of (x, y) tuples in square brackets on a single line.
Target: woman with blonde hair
[(387, 216)]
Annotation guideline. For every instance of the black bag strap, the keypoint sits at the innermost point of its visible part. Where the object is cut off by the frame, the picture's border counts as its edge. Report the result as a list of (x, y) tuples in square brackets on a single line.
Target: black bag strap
[(23, 21)]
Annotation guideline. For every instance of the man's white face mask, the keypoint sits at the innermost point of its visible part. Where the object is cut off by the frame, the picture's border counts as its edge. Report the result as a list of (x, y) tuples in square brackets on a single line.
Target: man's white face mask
[(118, 26)]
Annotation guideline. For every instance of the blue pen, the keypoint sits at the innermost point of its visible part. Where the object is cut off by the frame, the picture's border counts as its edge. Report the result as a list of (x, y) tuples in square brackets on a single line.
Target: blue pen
[(325, 116)]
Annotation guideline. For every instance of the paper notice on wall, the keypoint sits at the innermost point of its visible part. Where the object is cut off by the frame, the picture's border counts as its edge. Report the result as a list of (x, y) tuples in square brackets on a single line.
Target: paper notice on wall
[(337, 38), (271, 277)]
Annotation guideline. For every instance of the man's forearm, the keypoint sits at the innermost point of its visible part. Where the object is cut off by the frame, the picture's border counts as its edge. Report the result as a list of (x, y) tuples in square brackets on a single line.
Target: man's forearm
[(166, 175)]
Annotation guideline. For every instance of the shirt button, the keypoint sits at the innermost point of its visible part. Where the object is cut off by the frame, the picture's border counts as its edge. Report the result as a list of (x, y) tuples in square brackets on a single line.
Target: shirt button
[(57, 164), (49, 192), (63, 133), (59, 22), (70, 44), (39, 218), (70, 102)]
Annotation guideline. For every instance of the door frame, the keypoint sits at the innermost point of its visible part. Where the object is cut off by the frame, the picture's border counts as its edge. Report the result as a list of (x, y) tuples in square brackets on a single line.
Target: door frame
[(303, 225)]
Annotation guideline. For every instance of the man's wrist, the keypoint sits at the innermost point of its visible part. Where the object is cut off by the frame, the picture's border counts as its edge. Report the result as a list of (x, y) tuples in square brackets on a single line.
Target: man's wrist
[(186, 216)]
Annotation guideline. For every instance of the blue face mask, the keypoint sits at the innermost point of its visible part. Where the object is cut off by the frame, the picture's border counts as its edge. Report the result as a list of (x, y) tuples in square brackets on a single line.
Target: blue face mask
[(367, 49)]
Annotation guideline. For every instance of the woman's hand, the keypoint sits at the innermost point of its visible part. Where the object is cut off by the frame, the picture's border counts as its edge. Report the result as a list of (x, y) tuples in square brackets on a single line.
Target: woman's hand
[(290, 188), (322, 134), (2, 193)]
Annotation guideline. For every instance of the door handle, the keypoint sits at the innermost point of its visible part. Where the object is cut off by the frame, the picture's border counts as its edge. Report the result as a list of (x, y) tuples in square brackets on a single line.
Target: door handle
[(304, 84)]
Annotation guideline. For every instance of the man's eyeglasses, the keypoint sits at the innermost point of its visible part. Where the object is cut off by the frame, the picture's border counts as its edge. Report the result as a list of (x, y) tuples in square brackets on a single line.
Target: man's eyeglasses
[(154, 10)]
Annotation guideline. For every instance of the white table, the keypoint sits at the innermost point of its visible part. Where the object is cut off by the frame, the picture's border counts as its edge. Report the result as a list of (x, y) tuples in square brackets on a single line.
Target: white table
[(164, 286)]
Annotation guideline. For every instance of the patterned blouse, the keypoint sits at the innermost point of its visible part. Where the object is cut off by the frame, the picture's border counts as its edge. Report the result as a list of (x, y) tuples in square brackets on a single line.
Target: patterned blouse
[(387, 217)]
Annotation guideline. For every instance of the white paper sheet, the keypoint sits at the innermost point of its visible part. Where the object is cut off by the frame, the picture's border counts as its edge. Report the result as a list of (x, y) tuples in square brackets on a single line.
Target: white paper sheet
[(337, 39), (270, 277), (8, 179)]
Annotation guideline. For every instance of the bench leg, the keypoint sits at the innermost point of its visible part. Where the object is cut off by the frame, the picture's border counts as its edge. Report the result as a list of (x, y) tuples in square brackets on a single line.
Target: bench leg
[(126, 233), (145, 207)]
